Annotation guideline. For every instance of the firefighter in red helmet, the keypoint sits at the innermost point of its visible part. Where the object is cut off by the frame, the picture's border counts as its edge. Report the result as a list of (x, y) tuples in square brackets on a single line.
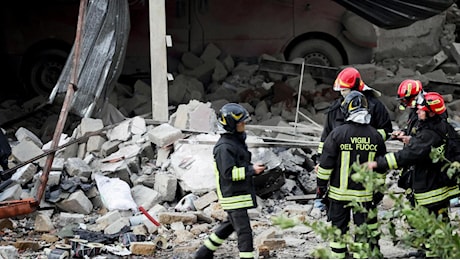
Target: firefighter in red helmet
[(430, 188), (409, 91), (347, 80)]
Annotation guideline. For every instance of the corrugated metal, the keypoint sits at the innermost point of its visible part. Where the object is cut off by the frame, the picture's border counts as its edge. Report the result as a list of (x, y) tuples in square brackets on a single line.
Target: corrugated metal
[(103, 48), (392, 14)]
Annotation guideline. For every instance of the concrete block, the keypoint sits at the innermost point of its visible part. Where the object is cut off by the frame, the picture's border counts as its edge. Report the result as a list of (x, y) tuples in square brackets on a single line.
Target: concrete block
[(454, 49), (171, 217), (166, 185), (121, 132), (138, 126), (11, 193), (24, 174), (58, 164), (142, 248), (164, 134), (109, 147), (88, 125), (229, 62), (203, 118), (94, 143), (220, 72), (66, 218), (434, 62), (116, 226), (180, 117), (27, 150), (107, 219), (190, 60), (142, 87), (25, 134), (77, 202), (43, 223), (211, 52), (139, 195), (205, 200), (77, 167)]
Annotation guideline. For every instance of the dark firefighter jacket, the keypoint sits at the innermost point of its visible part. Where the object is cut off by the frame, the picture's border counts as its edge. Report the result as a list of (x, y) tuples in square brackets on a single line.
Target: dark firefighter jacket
[(346, 144), (429, 185), (234, 172), (380, 119), (411, 122)]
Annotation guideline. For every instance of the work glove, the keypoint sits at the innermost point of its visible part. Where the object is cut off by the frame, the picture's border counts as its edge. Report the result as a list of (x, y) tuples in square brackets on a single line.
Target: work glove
[(321, 191), (319, 201), (319, 204)]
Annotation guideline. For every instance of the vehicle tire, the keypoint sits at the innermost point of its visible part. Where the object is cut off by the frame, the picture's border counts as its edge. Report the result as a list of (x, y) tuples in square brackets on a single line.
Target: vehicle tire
[(317, 52), (42, 70)]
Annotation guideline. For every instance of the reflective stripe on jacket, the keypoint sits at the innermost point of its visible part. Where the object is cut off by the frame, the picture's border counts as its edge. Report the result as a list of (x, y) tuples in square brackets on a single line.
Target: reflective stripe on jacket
[(429, 184), (345, 145), (234, 173)]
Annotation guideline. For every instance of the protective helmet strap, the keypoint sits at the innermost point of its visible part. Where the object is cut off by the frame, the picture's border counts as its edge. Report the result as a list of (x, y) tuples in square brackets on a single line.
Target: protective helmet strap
[(356, 85)]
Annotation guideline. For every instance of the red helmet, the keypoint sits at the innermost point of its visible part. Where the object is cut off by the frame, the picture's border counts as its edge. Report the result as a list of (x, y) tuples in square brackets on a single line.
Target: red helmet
[(432, 102), (408, 90), (349, 78)]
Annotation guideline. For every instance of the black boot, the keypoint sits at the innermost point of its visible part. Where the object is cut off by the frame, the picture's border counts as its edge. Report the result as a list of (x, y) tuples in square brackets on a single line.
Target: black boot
[(204, 253)]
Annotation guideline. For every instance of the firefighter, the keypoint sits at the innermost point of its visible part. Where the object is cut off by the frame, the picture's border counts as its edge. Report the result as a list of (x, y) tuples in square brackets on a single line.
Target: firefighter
[(347, 80), (355, 140), (235, 187), (429, 187), (409, 91)]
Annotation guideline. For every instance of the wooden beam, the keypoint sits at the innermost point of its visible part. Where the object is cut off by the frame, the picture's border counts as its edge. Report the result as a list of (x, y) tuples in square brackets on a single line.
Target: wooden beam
[(158, 60)]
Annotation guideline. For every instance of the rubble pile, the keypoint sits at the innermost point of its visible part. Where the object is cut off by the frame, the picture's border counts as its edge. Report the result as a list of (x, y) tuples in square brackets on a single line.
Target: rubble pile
[(97, 188)]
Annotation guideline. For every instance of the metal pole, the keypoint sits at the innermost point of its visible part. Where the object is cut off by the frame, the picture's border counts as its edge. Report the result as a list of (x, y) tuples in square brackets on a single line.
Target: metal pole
[(298, 96), (71, 88)]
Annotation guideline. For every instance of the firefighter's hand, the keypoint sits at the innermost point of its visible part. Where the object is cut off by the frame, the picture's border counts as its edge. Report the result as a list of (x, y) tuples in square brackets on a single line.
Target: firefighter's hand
[(320, 192), (319, 204), (401, 136), (396, 134), (258, 168), (316, 168), (371, 165), (405, 139)]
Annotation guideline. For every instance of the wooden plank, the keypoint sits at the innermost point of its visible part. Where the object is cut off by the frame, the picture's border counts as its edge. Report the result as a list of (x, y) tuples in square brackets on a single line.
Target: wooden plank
[(301, 197), (158, 60)]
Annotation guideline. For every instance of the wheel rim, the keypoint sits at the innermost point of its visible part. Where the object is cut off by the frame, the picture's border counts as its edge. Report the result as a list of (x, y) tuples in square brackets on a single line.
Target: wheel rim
[(317, 58), (46, 75)]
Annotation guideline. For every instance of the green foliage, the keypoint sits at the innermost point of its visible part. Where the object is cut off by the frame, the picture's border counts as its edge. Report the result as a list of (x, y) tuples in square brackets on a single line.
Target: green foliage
[(404, 224), (452, 169)]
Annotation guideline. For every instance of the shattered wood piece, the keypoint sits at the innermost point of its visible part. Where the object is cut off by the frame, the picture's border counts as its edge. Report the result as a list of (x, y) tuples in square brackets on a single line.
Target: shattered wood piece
[(114, 160), (312, 128), (309, 119), (312, 144), (301, 197), (283, 129)]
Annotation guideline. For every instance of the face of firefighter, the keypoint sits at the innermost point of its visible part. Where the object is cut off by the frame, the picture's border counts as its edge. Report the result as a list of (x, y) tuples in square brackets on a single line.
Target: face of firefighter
[(422, 114), (344, 92), (240, 127)]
